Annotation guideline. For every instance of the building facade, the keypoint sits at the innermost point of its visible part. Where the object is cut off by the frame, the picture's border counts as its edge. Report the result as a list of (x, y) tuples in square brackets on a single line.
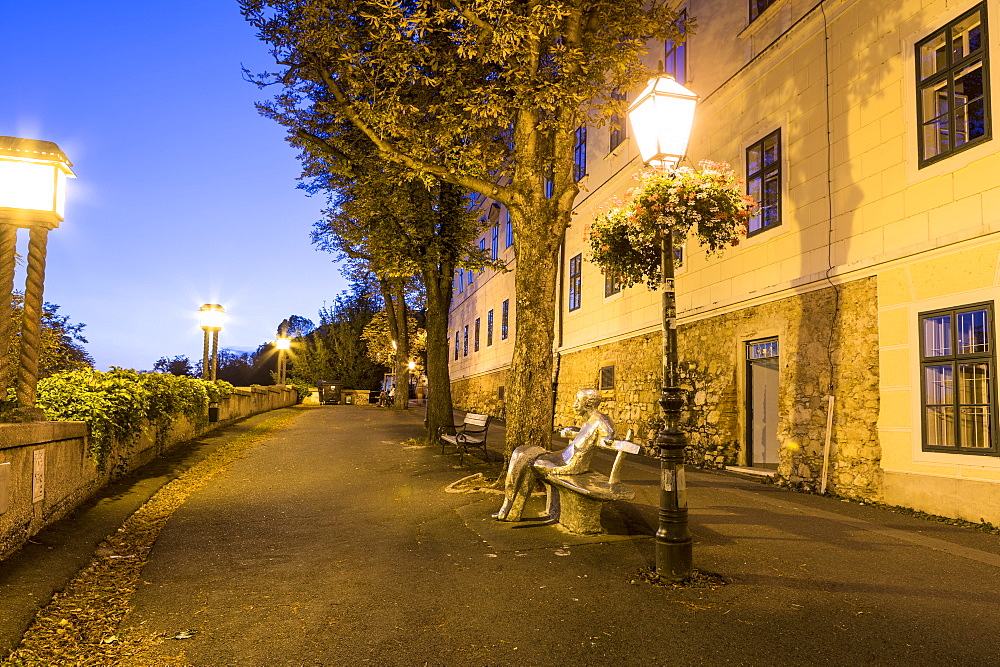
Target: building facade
[(848, 342)]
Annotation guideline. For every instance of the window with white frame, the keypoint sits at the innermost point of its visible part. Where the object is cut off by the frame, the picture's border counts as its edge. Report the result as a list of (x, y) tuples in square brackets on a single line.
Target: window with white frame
[(958, 396), (489, 328)]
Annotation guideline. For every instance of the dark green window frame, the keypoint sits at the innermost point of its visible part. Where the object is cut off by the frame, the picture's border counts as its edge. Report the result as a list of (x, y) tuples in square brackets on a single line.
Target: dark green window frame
[(575, 281), (757, 7), (764, 182), (958, 407), (953, 91)]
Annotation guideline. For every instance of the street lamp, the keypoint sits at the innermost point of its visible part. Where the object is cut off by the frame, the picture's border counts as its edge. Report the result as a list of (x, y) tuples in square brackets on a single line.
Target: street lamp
[(283, 344), (661, 119), (210, 317), (32, 195)]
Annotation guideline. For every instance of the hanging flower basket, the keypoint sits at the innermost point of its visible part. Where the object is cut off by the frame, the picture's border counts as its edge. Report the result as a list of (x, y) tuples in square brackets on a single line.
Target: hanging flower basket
[(708, 203)]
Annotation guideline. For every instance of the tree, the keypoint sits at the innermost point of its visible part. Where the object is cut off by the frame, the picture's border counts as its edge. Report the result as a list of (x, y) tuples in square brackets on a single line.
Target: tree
[(397, 226), (61, 342), (334, 351), (179, 365), (486, 95)]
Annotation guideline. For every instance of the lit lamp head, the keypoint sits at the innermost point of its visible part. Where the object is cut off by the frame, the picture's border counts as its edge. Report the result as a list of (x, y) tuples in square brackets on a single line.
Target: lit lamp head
[(412, 365), (661, 119), (211, 317), (32, 182), (283, 343)]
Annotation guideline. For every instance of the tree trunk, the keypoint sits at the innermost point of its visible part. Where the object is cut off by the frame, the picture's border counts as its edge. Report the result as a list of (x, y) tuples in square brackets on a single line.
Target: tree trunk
[(394, 298), (529, 390), (437, 284)]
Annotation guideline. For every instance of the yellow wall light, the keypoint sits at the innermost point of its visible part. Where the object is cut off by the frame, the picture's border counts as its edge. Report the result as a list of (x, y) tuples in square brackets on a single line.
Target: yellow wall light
[(33, 177)]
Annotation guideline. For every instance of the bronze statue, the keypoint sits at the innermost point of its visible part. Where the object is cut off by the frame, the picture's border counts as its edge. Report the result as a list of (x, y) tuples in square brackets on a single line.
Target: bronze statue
[(529, 462)]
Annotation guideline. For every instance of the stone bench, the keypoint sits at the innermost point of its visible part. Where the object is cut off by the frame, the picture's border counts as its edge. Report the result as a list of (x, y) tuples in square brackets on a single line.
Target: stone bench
[(575, 501)]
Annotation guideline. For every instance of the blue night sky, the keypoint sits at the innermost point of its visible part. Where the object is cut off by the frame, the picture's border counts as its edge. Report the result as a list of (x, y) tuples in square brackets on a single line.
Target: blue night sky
[(184, 195)]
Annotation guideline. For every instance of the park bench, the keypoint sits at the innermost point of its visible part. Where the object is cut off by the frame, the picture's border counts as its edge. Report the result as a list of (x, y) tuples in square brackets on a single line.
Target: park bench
[(575, 501), (470, 433)]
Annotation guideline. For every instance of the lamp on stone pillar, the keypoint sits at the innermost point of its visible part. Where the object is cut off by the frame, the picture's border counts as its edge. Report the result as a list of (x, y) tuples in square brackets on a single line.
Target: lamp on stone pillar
[(210, 317), (33, 196), (283, 343), (661, 119)]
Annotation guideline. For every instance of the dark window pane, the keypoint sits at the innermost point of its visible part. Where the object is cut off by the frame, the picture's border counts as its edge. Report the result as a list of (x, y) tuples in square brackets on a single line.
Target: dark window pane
[(937, 336), (753, 159), (965, 36), (973, 332), (974, 429), (933, 56), (938, 385), (974, 384), (939, 425), (771, 150)]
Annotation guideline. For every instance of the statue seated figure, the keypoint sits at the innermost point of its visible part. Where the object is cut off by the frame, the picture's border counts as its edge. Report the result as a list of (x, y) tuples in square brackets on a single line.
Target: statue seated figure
[(529, 462)]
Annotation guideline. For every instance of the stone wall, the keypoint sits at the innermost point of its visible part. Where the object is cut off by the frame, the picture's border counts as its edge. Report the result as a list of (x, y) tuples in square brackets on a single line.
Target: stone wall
[(34, 495), (481, 394), (713, 369)]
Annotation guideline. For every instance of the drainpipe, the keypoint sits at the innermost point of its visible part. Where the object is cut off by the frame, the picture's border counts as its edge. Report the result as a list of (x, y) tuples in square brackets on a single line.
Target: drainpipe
[(559, 328)]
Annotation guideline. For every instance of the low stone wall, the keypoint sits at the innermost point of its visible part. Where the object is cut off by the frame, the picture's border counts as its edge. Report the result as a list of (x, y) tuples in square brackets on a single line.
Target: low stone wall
[(815, 330), (481, 394), (46, 469)]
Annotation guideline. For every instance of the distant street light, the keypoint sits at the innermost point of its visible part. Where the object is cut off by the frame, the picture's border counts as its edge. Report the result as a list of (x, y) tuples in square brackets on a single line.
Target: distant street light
[(283, 344), (661, 120), (211, 317), (32, 195)]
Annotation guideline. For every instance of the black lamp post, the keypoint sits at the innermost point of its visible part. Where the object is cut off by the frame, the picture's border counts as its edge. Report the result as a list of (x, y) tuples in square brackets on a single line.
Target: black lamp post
[(661, 119)]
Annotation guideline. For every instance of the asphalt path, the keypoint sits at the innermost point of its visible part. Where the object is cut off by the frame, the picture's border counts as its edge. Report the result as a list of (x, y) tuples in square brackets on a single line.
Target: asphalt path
[(336, 543)]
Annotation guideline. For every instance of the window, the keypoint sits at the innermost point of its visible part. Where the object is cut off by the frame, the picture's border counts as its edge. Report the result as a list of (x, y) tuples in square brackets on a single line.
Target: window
[(956, 376), (675, 54), (461, 280), (758, 6), (456, 346), (953, 102), (495, 247), (482, 248), (468, 277), (504, 319), (510, 231), (607, 381), (575, 281), (465, 340), (617, 124), (580, 153), (475, 337), (612, 285), (762, 349), (764, 182), (489, 328)]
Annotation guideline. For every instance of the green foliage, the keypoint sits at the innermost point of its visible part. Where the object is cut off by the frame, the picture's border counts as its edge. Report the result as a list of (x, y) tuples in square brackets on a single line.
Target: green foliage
[(120, 404), (61, 348), (335, 351), (709, 203)]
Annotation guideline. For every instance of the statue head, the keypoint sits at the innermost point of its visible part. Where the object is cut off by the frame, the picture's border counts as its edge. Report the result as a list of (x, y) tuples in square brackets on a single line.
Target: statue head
[(587, 399)]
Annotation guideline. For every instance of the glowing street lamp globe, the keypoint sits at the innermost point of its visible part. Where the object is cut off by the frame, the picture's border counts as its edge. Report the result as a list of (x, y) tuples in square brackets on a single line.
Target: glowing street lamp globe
[(283, 343), (661, 119), (32, 182), (211, 316)]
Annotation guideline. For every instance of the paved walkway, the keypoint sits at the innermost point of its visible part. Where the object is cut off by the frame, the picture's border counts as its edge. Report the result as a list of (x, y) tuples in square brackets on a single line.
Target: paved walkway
[(334, 544)]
